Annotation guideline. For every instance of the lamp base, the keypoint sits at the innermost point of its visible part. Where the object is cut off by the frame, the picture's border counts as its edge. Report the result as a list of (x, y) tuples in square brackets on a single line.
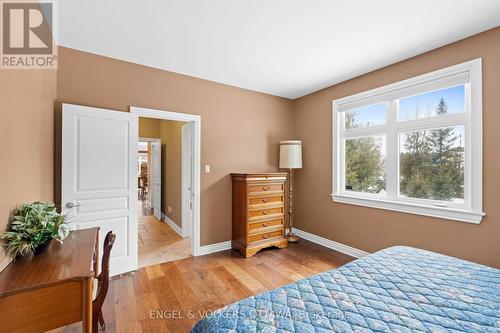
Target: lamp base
[(292, 238)]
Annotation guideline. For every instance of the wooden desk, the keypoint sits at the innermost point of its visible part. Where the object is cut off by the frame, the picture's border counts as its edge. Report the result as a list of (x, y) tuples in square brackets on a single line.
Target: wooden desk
[(52, 289)]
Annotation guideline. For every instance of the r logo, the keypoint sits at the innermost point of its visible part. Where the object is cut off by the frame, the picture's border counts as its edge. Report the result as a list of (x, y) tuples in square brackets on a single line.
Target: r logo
[(27, 34), (27, 28)]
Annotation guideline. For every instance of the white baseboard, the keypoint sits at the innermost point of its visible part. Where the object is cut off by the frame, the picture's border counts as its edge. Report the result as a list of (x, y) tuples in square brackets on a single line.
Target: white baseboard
[(207, 249), (172, 225), (346, 249)]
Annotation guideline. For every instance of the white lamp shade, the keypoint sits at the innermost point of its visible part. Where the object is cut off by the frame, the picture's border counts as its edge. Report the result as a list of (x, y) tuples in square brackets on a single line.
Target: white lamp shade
[(291, 154)]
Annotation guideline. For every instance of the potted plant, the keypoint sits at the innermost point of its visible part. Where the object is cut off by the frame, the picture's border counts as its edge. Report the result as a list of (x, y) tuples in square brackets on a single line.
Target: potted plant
[(32, 227)]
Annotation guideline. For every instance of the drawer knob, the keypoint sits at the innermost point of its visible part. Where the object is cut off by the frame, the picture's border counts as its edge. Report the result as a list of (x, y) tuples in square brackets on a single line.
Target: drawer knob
[(265, 224), (266, 188), (266, 200), (265, 236), (265, 212)]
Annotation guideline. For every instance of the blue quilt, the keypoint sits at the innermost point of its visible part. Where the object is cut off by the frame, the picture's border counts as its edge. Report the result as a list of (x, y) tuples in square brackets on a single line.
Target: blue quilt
[(399, 289)]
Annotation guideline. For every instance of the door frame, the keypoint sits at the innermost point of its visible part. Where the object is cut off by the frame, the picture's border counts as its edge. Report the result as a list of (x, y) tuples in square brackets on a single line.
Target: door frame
[(196, 120), (186, 222), (152, 140)]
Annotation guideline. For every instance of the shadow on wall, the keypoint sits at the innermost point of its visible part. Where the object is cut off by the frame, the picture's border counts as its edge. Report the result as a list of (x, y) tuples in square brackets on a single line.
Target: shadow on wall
[(273, 149)]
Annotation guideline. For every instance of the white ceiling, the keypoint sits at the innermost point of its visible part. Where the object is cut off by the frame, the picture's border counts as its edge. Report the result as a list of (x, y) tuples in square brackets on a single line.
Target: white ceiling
[(286, 48)]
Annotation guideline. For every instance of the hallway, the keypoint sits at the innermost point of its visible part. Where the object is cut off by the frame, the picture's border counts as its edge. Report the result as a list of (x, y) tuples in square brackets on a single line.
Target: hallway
[(158, 242)]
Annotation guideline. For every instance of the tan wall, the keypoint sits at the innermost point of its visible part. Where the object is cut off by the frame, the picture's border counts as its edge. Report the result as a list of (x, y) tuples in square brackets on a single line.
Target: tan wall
[(26, 139), (171, 150), (240, 130), (373, 229), (149, 128)]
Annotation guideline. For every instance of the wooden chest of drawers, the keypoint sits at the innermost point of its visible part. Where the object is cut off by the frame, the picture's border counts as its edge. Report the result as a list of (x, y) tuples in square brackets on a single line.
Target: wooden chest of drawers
[(258, 212)]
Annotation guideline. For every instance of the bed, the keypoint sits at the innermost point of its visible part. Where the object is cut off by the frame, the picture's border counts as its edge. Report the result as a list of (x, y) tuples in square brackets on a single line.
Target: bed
[(399, 289)]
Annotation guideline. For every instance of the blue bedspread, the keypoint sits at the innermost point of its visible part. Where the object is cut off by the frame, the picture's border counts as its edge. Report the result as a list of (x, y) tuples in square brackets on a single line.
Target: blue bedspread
[(399, 289)]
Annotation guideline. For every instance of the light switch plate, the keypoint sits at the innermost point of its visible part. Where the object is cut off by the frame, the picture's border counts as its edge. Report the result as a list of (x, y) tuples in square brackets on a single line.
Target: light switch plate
[(207, 168)]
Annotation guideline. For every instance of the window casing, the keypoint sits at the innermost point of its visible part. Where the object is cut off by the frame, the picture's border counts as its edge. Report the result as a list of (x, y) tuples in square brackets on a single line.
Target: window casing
[(387, 145)]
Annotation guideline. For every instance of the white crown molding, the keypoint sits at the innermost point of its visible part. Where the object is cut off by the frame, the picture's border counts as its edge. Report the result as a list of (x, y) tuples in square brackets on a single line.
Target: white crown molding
[(212, 248), (346, 249)]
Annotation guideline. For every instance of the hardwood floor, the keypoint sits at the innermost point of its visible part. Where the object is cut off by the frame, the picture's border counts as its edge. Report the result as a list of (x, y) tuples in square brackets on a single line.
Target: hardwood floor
[(185, 289)]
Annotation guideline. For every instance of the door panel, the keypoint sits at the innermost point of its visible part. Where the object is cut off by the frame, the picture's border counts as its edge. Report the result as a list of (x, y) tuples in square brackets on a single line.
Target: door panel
[(99, 149), (101, 145), (119, 226), (156, 178)]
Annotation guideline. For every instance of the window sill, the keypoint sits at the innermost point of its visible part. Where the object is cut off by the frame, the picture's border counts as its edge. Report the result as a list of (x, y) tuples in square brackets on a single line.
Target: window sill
[(411, 208)]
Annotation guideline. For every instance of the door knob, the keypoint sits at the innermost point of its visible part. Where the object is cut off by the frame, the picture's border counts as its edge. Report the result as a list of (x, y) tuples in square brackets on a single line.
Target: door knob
[(72, 205)]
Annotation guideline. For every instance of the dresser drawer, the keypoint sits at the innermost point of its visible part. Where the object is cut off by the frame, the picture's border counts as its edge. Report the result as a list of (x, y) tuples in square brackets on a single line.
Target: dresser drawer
[(263, 188), (256, 214), (258, 237), (265, 224), (266, 200)]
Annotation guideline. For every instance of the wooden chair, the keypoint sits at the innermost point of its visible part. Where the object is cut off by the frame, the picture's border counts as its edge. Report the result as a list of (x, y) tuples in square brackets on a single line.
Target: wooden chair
[(101, 284)]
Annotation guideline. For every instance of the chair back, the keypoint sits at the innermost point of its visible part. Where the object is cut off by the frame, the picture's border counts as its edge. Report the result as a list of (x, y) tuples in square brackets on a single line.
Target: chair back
[(104, 276)]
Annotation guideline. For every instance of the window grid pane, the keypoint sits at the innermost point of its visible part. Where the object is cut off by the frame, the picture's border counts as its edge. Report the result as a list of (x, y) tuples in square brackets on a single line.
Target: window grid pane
[(365, 116), (432, 164), (365, 164), (432, 104)]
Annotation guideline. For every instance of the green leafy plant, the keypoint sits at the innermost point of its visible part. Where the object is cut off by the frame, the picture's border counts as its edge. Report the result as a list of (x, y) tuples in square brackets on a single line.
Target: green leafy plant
[(33, 225)]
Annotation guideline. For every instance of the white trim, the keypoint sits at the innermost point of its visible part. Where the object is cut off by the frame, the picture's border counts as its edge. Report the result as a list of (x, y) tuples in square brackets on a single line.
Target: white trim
[(217, 247), (346, 249), (186, 161), (469, 74), (449, 76), (196, 119), (172, 225), (412, 208)]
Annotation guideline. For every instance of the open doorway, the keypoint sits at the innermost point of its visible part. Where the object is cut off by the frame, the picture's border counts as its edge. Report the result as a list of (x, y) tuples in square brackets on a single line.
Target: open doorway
[(164, 188), (149, 166)]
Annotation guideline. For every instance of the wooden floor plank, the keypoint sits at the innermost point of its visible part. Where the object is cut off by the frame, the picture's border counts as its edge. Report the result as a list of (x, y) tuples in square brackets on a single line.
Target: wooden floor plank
[(171, 297), (249, 281)]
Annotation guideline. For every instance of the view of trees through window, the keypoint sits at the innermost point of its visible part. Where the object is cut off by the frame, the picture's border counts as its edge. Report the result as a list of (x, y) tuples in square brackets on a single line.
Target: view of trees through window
[(365, 160), (431, 161)]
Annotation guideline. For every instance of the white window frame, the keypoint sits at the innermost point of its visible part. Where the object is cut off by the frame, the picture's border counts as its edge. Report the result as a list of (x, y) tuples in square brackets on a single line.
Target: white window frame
[(469, 74)]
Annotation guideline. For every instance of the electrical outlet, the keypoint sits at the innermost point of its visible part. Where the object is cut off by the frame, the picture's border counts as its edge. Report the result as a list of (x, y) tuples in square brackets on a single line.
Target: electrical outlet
[(207, 168)]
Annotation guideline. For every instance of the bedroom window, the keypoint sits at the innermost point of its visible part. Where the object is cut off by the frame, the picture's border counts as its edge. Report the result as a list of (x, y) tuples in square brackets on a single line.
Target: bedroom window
[(414, 146)]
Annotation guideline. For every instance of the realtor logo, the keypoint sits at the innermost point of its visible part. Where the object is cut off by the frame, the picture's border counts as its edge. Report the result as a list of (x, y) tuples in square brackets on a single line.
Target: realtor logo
[(27, 35)]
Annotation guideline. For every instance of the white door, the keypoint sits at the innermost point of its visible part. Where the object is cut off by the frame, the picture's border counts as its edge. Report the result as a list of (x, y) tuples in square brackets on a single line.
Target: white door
[(156, 178), (99, 177), (187, 179)]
